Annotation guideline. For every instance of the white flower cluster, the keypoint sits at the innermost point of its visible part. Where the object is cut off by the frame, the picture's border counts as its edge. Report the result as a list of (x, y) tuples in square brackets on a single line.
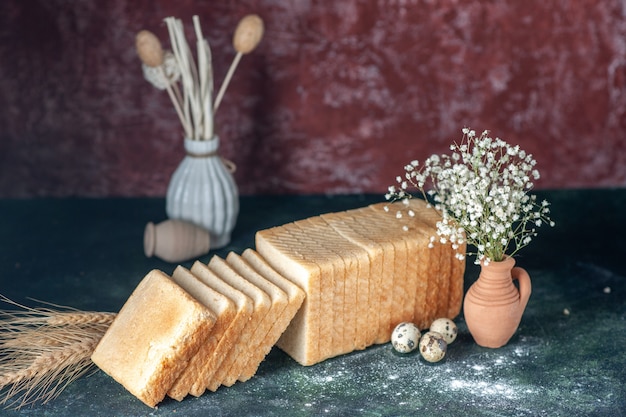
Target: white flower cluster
[(481, 191)]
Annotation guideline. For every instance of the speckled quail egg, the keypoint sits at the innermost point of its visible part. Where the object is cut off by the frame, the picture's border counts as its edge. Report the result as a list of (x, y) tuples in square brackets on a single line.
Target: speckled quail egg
[(405, 337), (446, 328), (433, 346)]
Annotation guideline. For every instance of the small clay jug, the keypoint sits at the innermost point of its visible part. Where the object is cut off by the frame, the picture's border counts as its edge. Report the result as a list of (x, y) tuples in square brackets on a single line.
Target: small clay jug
[(493, 305), (175, 240)]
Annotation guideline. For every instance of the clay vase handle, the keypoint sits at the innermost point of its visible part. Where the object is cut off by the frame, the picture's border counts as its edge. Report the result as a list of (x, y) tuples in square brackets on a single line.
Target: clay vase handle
[(525, 287)]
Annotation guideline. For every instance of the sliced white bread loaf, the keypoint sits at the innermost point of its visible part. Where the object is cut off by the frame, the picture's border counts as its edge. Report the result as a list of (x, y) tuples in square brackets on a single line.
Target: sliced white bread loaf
[(318, 288), (229, 370), (419, 284), (207, 377), (295, 296), (224, 310), (153, 337)]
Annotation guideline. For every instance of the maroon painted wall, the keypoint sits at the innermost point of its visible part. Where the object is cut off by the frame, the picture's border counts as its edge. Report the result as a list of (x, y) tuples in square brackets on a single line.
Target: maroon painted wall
[(336, 99)]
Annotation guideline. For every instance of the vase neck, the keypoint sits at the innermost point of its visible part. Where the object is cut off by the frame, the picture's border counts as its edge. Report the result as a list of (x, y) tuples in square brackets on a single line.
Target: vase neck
[(495, 284), (202, 148), (494, 270)]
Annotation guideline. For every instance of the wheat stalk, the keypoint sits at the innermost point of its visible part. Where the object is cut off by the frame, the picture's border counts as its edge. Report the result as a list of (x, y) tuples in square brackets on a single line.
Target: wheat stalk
[(42, 350), (82, 318)]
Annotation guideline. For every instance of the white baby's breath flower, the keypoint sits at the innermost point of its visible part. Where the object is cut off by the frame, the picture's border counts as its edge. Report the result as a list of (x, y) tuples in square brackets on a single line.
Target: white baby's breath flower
[(480, 190)]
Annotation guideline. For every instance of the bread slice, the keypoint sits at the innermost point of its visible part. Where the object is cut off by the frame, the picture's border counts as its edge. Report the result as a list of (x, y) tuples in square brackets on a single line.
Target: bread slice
[(315, 247), (384, 230), (295, 298), (229, 370), (440, 292), (153, 338), (301, 338), (456, 268), (224, 310), (362, 230), (263, 339), (207, 377), (356, 317), (349, 228)]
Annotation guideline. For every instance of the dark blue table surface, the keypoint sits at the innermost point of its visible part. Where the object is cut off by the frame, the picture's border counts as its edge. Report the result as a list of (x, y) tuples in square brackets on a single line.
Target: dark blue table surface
[(88, 254)]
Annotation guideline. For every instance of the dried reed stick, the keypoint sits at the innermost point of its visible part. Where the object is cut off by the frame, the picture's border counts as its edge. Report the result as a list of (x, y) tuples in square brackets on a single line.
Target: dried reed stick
[(205, 71), (152, 55), (192, 100), (194, 105), (247, 36), (42, 350), (196, 80)]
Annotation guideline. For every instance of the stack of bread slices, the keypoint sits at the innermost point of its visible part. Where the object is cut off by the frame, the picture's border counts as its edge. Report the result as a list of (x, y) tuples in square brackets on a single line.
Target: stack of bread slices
[(317, 288)]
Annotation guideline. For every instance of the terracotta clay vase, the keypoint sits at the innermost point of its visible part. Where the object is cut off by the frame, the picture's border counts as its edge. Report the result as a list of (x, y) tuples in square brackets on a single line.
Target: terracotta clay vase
[(175, 241), (493, 305)]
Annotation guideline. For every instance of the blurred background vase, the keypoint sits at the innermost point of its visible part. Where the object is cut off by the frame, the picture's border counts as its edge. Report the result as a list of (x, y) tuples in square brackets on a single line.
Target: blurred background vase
[(202, 191)]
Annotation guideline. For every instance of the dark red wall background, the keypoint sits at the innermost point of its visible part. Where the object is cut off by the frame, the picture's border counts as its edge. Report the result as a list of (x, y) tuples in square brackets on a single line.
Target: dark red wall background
[(336, 99)]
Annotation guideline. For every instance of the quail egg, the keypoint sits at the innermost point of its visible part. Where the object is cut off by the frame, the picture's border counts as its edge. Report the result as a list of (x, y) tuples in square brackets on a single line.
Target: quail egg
[(446, 328), (433, 346), (405, 337)]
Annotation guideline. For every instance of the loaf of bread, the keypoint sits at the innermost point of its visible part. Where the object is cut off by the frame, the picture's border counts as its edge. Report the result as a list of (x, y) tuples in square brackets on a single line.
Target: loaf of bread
[(153, 338), (363, 272), (316, 288)]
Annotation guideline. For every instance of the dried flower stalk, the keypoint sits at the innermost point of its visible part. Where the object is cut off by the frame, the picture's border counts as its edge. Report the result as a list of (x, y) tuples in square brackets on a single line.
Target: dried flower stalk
[(42, 350), (193, 105)]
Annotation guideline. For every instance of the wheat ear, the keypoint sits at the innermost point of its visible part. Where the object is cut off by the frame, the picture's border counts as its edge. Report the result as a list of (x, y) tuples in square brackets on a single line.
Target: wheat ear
[(42, 350)]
